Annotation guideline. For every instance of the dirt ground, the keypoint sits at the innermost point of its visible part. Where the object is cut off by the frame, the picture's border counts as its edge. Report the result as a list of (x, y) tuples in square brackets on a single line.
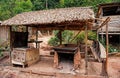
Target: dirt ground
[(44, 67)]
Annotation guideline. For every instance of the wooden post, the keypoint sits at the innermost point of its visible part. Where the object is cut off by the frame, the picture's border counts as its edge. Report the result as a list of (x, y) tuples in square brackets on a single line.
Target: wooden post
[(56, 60), (86, 51), (60, 34), (10, 33), (36, 37), (107, 43), (26, 28), (105, 61), (102, 37), (97, 34)]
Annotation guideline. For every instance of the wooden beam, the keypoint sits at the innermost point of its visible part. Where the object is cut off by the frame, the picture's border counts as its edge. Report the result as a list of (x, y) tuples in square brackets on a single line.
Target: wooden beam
[(62, 28), (104, 23), (99, 19), (95, 54), (75, 36), (86, 51)]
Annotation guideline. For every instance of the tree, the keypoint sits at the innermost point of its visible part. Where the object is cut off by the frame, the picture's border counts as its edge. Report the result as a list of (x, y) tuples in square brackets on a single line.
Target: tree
[(9, 8), (22, 6)]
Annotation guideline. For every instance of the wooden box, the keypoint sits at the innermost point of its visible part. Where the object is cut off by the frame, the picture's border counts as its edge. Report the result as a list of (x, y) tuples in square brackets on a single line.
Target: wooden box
[(25, 56)]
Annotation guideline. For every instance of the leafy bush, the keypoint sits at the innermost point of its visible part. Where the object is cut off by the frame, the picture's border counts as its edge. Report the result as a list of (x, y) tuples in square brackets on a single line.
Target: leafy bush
[(66, 37), (54, 41), (81, 37), (111, 48)]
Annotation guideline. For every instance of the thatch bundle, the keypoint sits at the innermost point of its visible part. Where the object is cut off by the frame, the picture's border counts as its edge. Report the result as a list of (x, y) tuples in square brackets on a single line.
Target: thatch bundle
[(53, 16)]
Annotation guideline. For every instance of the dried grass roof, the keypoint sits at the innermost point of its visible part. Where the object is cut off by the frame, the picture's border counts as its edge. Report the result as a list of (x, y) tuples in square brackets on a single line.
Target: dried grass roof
[(51, 16)]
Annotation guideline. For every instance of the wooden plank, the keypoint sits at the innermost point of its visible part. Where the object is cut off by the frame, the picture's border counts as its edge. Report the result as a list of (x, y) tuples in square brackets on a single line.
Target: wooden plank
[(39, 73), (104, 23), (66, 52), (95, 54), (102, 51)]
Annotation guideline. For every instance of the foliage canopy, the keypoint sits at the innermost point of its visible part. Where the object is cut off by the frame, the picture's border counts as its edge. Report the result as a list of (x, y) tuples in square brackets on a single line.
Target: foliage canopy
[(9, 8)]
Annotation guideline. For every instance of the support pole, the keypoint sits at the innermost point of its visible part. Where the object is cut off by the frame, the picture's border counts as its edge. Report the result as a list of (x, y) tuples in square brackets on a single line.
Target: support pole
[(107, 43), (10, 33), (97, 35), (102, 37), (26, 28), (36, 38), (86, 51), (60, 34), (105, 61)]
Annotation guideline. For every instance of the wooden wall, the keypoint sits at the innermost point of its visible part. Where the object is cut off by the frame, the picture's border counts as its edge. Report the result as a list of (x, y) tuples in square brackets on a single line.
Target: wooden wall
[(4, 31)]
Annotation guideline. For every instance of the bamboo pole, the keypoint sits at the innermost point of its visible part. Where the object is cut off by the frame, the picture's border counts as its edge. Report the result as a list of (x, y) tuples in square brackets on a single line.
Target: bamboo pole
[(86, 53)]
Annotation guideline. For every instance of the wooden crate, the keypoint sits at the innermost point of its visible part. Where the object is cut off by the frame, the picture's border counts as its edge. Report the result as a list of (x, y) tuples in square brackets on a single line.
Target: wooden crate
[(25, 56)]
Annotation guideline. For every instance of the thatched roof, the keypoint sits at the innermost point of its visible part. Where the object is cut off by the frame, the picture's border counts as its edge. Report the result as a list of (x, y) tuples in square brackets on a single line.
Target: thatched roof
[(53, 16)]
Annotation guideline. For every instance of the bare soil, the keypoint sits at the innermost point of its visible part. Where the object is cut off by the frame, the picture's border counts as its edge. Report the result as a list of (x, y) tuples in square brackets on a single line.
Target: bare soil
[(44, 67)]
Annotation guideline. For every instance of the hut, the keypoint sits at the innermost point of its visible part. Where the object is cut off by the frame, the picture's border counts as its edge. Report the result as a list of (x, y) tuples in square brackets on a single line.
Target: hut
[(75, 18), (111, 10)]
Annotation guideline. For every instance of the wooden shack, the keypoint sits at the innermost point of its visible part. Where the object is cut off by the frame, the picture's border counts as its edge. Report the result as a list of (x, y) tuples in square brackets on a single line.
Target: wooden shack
[(111, 10), (75, 18)]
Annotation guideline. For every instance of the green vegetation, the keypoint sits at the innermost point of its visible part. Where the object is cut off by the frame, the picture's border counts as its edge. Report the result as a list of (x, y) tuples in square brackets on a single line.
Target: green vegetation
[(111, 48), (9, 8), (81, 37), (67, 36)]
